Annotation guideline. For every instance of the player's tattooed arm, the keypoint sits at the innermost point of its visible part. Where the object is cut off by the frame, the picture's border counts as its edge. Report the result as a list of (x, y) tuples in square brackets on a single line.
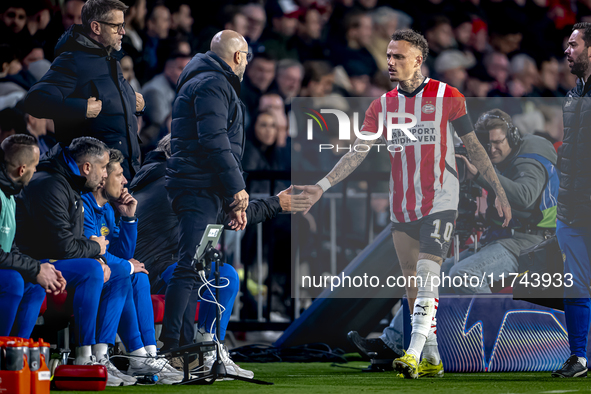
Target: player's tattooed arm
[(348, 163), (481, 161), (340, 171)]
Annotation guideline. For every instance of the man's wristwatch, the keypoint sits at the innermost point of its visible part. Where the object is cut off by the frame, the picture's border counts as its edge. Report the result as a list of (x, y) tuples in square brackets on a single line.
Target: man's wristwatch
[(140, 113)]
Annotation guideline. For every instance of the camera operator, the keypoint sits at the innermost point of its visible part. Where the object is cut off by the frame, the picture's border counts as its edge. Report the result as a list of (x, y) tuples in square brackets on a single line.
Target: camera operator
[(526, 170)]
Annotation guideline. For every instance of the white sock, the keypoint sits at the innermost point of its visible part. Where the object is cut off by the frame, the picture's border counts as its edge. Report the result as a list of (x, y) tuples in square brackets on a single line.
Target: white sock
[(100, 350), (83, 354), (139, 356), (141, 352), (421, 325), (151, 349), (431, 351), (417, 342), (583, 361)]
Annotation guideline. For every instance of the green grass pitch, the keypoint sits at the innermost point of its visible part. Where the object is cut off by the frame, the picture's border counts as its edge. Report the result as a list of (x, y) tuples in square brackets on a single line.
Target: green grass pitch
[(347, 378)]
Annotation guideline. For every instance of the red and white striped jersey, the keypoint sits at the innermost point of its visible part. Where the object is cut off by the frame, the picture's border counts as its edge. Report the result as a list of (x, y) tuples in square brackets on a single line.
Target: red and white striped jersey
[(424, 174)]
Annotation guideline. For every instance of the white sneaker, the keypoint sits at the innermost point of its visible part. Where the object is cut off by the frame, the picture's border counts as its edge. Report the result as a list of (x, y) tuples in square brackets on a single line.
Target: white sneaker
[(167, 374), (231, 367), (115, 373), (112, 380)]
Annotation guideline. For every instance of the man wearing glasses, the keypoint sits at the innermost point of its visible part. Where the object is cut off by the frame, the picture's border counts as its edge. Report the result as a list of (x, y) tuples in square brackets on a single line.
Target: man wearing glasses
[(526, 169), (204, 174), (84, 92)]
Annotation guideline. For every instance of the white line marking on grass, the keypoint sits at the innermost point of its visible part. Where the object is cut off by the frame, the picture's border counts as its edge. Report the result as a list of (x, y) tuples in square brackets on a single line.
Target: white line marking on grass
[(559, 391)]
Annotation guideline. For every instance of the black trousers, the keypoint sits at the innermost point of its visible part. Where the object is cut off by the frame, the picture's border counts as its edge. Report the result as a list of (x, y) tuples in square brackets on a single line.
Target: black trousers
[(195, 209)]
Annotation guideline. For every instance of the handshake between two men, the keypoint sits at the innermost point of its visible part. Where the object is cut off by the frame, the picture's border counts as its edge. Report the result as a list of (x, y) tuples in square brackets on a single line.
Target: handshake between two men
[(289, 203)]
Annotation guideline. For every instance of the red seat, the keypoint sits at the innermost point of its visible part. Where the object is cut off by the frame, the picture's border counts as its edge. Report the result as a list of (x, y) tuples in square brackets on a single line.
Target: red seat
[(43, 307), (158, 306), (58, 305)]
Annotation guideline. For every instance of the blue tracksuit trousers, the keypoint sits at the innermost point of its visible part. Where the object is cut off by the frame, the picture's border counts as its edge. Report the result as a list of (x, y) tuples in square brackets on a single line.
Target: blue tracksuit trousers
[(575, 243), (20, 303), (229, 277)]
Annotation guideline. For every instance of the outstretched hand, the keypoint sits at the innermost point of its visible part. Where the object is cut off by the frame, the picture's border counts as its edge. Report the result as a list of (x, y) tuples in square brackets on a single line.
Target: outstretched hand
[(293, 202), (313, 192)]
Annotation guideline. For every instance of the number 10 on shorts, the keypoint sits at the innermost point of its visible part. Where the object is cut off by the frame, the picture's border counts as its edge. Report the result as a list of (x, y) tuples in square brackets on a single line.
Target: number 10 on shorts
[(449, 228)]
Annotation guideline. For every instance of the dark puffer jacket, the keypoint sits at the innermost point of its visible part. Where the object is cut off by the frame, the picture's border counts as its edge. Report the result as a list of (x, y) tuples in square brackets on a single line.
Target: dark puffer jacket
[(82, 69), (574, 203), (207, 137), (50, 213)]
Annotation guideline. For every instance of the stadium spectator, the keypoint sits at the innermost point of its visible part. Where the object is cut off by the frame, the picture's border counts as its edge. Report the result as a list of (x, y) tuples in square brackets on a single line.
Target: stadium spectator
[(50, 220), (10, 90), (235, 19), (136, 328), (358, 34), (462, 28), (385, 22), (439, 35), (181, 19), (257, 20), (230, 17), (307, 40), (14, 17), (451, 66), (104, 104), (573, 227), (288, 79), (505, 39), (524, 75), (38, 17), (37, 128), (128, 72), (70, 14), (497, 66), (258, 78), (318, 79), (135, 21), (159, 94), (23, 280), (279, 40), (203, 175), (548, 85), (478, 83), (271, 102), (157, 29), (261, 151)]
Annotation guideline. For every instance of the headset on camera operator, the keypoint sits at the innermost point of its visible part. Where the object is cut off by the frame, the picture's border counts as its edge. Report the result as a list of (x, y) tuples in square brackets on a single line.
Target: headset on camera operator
[(526, 169)]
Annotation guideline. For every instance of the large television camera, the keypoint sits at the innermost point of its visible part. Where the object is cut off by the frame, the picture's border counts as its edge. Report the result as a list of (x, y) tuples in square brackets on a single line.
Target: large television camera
[(468, 222)]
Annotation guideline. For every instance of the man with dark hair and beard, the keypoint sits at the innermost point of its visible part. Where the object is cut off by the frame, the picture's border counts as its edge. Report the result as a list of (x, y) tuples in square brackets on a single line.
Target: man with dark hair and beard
[(23, 280), (573, 224), (50, 219)]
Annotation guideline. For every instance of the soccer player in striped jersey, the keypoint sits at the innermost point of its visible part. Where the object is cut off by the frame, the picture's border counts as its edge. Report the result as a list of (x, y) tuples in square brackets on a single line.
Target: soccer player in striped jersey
[(424, 187)]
